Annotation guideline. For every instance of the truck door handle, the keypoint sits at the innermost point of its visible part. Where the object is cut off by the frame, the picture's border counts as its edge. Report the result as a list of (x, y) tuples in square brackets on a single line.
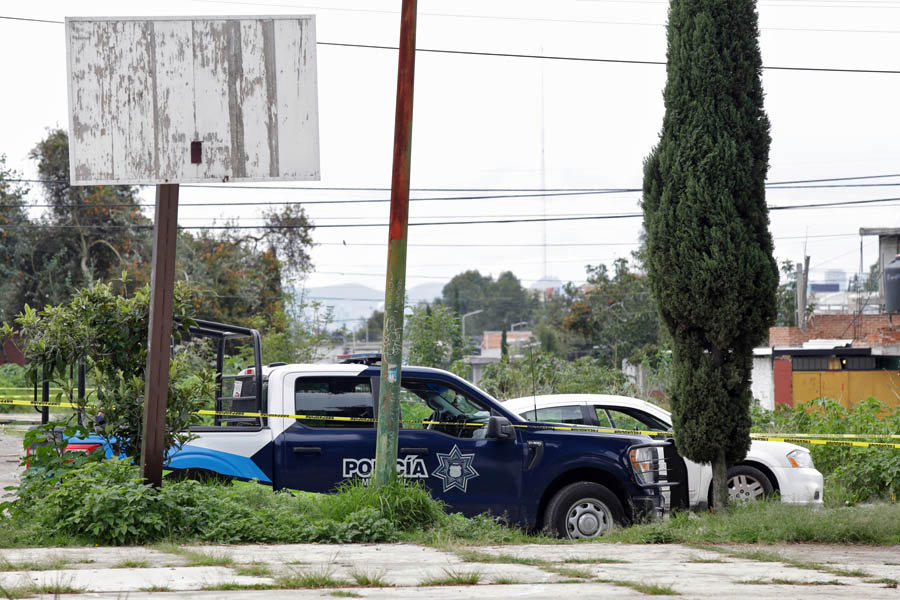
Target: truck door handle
[(307, 450), (536, 449), (414, 451)]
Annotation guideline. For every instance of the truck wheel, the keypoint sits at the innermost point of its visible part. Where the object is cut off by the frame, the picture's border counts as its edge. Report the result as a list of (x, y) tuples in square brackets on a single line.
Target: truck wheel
[(583, 510), (200, 475)]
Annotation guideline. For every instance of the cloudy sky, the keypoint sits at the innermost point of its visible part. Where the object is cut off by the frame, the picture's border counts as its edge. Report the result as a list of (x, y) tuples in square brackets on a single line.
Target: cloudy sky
[(486, 123)]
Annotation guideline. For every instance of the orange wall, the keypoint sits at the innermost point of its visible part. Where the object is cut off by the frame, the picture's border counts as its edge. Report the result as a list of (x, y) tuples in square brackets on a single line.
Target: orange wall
[(847, 387)]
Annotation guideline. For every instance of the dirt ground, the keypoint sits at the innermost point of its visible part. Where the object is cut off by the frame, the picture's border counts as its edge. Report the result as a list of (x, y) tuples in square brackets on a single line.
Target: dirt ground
[(10, 453)]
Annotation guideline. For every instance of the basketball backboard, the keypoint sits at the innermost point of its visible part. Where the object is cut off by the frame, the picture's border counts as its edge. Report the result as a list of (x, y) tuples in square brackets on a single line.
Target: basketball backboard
[(192, 99)]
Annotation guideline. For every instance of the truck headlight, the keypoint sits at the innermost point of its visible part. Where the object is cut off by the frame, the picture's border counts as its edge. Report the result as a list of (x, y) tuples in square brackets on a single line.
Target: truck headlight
[(800, 459), (644, 463)]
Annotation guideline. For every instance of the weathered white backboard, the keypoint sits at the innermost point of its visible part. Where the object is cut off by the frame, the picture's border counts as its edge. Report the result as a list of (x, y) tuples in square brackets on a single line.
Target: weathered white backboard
[(192, 99)]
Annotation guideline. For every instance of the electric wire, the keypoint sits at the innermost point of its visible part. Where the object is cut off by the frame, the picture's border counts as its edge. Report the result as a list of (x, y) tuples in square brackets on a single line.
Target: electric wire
[(551, 57)]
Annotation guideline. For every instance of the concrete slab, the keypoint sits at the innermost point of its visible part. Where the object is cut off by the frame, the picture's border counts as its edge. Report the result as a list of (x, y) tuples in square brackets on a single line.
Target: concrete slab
[(398, 564), (130, 580), (694, 573), (90, 558)]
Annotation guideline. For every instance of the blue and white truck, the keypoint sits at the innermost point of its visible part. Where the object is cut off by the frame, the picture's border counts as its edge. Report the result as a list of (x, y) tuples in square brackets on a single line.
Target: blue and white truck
[(313, 426)]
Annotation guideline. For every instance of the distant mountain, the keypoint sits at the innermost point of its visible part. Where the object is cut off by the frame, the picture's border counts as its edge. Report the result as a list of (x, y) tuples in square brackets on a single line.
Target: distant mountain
[(353, 302), (425, 292)]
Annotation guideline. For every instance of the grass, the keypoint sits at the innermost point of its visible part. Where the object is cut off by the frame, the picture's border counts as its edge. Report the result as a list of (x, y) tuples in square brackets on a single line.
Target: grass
[(651, 589), (452, 577), (699, 559), (887, 581), (131, 564), (198, 558), (779, 581), (757, 555), (769, 556), (772, 522), (52, 563), (570, 572), (484, 557), (155, 588), (254, 569), (344, 594), (506, 581), (314, 578), (230, 586), (363, 578), (593, 561), (29, 589)]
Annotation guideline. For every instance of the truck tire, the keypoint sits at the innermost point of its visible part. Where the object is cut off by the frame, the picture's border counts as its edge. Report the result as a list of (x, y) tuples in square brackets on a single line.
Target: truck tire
[(583, 510), (200, 475)]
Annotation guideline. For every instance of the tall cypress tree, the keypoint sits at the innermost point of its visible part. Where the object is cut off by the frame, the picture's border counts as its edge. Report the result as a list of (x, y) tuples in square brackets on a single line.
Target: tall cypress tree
[(708, 244)]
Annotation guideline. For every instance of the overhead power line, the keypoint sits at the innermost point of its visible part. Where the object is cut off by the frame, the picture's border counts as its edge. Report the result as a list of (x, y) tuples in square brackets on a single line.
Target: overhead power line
[(549, 57), (601, 217)]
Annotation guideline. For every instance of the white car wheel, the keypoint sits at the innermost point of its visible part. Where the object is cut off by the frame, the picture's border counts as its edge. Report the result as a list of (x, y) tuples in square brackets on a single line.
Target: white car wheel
[(748, 484)]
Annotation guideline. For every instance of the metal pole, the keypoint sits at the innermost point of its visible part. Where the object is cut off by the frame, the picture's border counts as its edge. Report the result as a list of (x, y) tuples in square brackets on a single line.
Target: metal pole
[(462, 322), (45, 394), (395, 285), (162, 281)]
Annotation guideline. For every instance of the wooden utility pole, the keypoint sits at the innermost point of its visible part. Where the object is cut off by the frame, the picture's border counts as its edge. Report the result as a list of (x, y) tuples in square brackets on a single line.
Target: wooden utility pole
[(395, 285), (162, 288), (802, 279)]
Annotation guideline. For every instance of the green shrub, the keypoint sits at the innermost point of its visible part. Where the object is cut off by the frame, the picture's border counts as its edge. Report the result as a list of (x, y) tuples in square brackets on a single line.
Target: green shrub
[(13, 376), (858, 474), (408, 505), (108, 502)]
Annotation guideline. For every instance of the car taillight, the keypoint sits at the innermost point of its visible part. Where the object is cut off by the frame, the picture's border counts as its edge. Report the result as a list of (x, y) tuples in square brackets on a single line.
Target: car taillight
[(87, 448)]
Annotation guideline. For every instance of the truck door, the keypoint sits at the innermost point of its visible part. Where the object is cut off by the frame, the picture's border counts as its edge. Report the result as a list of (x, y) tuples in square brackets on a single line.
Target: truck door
[(442, 443), (317, 454)]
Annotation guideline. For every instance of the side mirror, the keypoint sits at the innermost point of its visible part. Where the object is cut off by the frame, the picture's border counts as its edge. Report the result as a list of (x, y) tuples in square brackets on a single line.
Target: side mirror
[(499, 428)]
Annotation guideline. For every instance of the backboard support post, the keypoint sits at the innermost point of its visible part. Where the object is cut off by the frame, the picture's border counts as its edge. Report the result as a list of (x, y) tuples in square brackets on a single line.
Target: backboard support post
[(162, 290)]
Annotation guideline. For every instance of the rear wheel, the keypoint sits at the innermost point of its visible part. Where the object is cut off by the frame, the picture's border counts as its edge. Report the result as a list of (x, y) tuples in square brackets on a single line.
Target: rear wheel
[(583, 510), (201, 475)]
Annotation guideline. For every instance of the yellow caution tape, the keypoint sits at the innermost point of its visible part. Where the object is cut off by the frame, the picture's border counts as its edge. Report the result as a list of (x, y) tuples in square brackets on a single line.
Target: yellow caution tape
[(32, 403), (847, 436), (819, 442), (804, 438)]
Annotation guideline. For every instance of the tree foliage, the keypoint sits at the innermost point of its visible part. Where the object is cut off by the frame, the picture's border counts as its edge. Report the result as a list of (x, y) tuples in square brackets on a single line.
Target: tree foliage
[(108, 333), (708, 245), (542, 373), (91, 234), (503, 301), (432, 333), (103, 228), (616, 313)]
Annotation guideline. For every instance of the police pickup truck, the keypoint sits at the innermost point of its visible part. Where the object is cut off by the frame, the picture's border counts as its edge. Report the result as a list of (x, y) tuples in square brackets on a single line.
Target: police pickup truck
[(310, 427)]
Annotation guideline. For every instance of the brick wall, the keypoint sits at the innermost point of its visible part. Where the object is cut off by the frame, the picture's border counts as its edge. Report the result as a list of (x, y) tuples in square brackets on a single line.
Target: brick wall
[(872, 330)]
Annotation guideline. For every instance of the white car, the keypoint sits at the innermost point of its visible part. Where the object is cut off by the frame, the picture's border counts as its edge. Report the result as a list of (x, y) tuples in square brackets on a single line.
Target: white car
[(768, 468)]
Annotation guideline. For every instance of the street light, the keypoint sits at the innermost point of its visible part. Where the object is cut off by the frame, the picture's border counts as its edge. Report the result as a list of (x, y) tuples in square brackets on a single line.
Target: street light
[(514, 325), (462, 321)]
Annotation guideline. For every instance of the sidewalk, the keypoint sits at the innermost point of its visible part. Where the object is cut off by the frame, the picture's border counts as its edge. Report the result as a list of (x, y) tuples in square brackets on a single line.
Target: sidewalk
[(385, 571)]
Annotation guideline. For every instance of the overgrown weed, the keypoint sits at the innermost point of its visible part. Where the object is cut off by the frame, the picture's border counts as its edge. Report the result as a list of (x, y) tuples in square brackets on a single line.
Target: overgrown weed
[(769, 523)]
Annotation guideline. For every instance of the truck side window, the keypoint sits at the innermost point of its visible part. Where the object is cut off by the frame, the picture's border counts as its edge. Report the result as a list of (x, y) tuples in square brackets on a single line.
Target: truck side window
[(347, 402), (442, 408)]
